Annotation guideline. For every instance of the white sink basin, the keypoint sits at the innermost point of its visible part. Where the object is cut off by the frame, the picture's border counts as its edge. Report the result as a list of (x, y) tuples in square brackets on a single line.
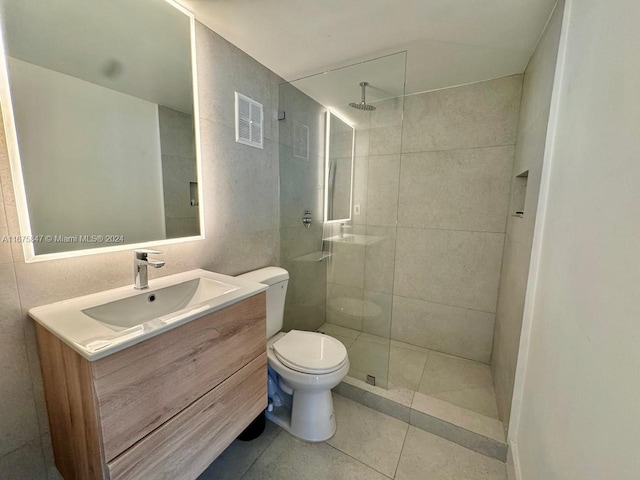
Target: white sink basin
[(104, 323), (158, 304)]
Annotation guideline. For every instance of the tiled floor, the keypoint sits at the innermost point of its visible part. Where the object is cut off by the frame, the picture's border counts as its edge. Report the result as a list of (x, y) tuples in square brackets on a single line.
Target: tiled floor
[(368, 445), (396, 365)]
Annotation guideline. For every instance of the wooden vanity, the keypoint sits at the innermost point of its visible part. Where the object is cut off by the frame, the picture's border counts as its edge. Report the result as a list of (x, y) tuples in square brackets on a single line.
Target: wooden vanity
[(164, 408)]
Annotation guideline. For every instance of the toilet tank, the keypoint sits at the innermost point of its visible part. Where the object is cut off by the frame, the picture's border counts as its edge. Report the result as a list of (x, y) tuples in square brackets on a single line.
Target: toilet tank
[(277, 279)]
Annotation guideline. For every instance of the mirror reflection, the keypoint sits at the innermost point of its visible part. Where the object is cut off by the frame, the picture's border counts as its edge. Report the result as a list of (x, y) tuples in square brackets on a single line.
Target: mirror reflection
[(339, 169), (103, 104)]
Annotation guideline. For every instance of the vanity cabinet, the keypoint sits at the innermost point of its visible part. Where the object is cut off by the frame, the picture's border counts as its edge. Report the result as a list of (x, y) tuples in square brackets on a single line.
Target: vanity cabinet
[(164, 408)]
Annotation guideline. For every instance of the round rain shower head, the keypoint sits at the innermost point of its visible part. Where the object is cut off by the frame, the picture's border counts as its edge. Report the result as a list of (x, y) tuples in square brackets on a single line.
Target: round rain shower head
[(363, 104)]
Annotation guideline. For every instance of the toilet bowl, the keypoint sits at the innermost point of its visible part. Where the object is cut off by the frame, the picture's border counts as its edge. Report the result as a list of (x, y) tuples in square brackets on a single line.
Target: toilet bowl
[(303, 367)]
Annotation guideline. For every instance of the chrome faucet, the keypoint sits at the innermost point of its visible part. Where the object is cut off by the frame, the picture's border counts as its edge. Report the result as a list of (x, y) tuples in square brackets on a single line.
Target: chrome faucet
[(140, 264)]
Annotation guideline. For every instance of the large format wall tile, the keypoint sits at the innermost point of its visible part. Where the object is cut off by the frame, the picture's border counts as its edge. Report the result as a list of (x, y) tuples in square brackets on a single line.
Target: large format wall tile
[(458, 331), (376, 314), (224, 69), (380, 259), (360, 180), (344, 306), (245, 182), (464, 189), (532, 136), (18, 421), (301, 184), (452, 267), (479, 115), (382, 189), (301, 111), (385, 129), (346, 266)]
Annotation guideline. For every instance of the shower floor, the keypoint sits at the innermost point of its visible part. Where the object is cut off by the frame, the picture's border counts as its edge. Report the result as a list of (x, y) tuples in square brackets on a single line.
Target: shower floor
[(408, 369)]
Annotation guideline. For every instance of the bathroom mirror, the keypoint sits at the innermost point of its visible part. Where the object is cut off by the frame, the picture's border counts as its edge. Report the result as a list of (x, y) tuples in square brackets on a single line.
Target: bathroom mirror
[(101, 122), (339, 154)]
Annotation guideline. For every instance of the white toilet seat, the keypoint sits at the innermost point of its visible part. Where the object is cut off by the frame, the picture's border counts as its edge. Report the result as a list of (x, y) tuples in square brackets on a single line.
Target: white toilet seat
[(310, 352)]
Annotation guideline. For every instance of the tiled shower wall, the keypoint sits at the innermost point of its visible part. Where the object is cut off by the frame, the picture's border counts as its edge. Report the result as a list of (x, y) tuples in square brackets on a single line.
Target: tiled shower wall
[(458, 147), (178, 151), (301, 188), (240, 187), (433, 186), (532, 134)]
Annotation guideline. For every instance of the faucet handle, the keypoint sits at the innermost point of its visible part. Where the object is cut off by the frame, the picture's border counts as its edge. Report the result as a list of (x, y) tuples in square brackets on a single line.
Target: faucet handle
[(141, 254)]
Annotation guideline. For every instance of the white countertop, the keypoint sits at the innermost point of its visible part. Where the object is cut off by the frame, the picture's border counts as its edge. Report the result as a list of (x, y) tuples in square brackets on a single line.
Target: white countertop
[(94, 339)]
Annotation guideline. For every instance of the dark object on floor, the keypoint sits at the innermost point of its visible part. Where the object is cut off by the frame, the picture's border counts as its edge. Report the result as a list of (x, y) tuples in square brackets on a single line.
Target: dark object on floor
[(254, 430)]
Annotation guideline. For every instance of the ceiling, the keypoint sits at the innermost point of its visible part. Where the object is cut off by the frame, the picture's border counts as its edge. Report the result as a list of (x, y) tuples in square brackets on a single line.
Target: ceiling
[(448, 42)]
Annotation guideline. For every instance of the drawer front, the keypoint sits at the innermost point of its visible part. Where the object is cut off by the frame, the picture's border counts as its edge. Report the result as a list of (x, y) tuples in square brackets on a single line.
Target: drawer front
[(185, 445), (140, 388)]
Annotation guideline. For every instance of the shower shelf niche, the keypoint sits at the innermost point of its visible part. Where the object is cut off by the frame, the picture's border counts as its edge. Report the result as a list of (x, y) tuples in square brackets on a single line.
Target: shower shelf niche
[(355, 239)]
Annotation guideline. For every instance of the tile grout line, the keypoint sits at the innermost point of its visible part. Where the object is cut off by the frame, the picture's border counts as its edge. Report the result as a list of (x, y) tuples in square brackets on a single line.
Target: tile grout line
[(404, 441), (442, 229), (357, 460), (262, 453)]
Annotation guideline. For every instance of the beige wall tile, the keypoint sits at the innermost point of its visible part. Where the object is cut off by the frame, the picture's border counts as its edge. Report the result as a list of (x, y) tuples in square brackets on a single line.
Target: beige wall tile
[(385, 130), (479, 115), (346, 266), (18, 423), (457, 331), (344, 306), (456, 189), (376, 314), (532, 133), (451, 267), (360, 180), (380, 259), (382, 189)]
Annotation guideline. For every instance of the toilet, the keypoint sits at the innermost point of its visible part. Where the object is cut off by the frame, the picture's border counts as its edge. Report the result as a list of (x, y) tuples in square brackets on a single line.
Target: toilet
[(303, 367)]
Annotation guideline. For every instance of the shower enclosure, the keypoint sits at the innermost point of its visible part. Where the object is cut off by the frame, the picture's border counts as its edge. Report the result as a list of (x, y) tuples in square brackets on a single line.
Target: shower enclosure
[(408, 196), (340, 160)]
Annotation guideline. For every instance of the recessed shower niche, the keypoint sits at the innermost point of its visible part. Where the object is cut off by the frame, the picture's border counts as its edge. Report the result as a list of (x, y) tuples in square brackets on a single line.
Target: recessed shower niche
[(519, 196)]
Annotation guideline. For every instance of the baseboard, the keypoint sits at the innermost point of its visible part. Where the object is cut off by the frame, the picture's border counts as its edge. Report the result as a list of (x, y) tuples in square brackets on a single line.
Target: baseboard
[(513, 462)]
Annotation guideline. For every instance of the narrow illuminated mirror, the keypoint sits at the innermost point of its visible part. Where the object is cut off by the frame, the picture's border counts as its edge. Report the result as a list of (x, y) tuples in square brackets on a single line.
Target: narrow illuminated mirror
[(339, 155)]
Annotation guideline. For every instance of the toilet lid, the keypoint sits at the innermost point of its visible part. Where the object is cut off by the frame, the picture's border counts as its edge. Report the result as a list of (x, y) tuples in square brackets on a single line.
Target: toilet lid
[(310, 352)]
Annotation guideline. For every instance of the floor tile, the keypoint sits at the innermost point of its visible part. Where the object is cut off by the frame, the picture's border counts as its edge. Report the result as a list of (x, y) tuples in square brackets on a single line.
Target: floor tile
[(406, 365), (481, 400), (445, 373), (369, 358), (426, 456), (26, 462), (290, 459), (239, 456), (369, 436)]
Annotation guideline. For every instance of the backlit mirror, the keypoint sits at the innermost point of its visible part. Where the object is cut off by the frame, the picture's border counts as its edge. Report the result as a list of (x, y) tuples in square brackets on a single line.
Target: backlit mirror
[(101, 122), (339, 154)]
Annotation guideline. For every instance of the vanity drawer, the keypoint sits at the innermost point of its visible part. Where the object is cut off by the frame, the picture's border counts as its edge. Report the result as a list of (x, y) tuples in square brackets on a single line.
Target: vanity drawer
[(185, 445), (140, 388)]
